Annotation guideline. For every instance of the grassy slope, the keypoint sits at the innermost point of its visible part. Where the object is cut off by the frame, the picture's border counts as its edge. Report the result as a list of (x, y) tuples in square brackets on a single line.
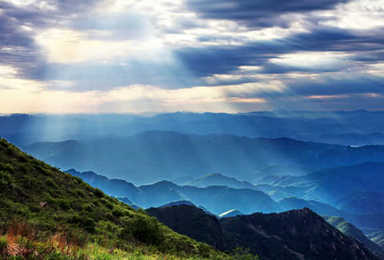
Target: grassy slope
[(53, 202), (377, 237), (351, 231)]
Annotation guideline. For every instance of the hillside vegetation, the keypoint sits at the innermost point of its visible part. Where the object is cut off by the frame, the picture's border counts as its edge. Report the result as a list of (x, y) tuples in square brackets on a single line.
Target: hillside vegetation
[(47, 213), (351, 231)]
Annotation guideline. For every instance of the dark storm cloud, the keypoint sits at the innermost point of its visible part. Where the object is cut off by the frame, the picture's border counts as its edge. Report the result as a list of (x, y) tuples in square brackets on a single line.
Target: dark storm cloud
[(11, 34), (74, 6), (354, 84), (258, 13), (364, 48), (371, 57), (205, 61), (17, 45), (333, 39), (357, 85), (61, 11), (212, 60), (221, 60), (272, 68), (345, 102)]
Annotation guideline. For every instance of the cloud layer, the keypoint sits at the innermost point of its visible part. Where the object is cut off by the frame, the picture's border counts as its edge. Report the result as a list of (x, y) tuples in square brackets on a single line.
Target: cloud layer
[(225, 56)]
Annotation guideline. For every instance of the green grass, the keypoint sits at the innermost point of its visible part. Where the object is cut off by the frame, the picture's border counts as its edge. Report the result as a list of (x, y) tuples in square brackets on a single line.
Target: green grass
[(19, 247), (39, 202), (20, 242)]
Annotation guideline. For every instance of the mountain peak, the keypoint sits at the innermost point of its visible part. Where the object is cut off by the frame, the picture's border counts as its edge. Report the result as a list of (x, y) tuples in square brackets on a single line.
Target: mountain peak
[(291, 235), (164, 184), (178, 203)]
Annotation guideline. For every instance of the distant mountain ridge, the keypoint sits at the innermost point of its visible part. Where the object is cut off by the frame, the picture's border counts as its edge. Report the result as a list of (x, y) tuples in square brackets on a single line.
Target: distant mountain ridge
[(215, 179), (320, 208), (165, 192), (358, 127), (154, 156), (336, 185), (300, 192)]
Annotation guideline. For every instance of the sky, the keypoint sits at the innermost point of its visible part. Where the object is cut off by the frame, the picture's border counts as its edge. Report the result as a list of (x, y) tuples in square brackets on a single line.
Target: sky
[(123, 56)]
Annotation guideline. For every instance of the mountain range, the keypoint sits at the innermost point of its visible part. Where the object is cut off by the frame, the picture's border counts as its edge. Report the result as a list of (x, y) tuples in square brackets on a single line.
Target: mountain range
[(246, 201), (357, 127), (233, 172), (154, 156), (206, 197), (298, 234), (164, 192), (340, 186), (48, 198)]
